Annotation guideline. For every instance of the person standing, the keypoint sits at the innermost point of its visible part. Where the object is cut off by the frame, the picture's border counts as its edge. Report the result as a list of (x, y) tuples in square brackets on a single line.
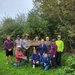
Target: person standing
[(53, 50), (42, 48), (60, 48), (48, 44), (26, 46), (18, 41), (9, 45)]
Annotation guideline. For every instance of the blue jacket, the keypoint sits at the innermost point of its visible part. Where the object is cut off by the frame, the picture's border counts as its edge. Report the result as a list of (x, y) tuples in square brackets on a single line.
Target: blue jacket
[(42, 49), (35, 57), (46, 60)]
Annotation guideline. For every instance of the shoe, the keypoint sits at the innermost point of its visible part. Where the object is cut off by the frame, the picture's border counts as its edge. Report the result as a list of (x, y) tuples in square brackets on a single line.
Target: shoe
[(6, 62), (11, 62), (33, 66)]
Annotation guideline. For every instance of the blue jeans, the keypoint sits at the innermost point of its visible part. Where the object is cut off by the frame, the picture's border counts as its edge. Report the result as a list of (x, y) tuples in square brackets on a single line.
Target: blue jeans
[(17, 63), (45, 67)]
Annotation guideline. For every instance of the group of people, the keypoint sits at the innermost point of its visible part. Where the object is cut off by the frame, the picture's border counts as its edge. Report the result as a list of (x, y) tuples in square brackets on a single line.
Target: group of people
[(47, 53)]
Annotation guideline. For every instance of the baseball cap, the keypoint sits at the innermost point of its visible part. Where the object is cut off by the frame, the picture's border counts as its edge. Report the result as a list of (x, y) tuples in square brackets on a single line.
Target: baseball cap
[(18, 35), (53, 40), (18, 46), (59, 36)]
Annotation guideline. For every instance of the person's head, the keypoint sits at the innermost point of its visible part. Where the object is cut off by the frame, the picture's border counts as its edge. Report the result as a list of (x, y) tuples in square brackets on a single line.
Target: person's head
[(46, 55), (34, 50), (53, 41), (36, 38), (47, 38), (18, 37), (27, 36), (59, 37), (8, 37), (18, 47), (42, 41)]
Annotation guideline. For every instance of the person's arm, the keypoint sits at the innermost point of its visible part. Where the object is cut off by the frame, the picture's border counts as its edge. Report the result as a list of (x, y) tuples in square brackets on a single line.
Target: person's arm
[(62, 46), (32, 57), (55, 49), (48, 62), (45, 49), (23, 44), (39, 50), (12, 46), (5, 45)]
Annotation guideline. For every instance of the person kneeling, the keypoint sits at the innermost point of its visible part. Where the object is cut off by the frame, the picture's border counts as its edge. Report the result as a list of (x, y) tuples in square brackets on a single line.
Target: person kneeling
[(35, 58), (45, 61), (19, 56)]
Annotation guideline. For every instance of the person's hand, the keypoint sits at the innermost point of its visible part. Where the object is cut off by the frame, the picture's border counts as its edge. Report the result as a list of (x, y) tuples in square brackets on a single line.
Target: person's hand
[(44, 64), (43, 54), (26, 48), (39, 54), (33, 62), (9, 49), (53, 56)]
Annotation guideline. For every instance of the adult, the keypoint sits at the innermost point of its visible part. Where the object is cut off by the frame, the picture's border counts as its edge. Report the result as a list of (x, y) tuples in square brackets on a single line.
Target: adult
[(42, 48), (18, 41), (9, 45), (26, 45), (48, 44), (60, 48), (37, 42), (19, 56), (53, 50)]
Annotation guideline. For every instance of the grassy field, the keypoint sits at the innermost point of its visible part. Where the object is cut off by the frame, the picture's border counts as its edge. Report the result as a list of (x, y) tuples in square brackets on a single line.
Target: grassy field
[(9, 69)]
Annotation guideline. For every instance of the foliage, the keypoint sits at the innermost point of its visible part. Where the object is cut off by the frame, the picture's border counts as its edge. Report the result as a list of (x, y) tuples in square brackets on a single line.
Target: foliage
[(68, 67)]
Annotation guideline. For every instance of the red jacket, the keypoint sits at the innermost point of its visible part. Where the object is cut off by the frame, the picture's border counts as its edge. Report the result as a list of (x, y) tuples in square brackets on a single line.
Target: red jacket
[(18, 55)]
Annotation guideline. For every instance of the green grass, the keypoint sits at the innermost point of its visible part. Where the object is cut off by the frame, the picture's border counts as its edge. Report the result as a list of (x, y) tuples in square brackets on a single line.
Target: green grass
[(9, 69)]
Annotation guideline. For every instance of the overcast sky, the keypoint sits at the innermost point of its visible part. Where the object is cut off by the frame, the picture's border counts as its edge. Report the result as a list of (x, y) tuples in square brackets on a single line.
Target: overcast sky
[(9, 8)]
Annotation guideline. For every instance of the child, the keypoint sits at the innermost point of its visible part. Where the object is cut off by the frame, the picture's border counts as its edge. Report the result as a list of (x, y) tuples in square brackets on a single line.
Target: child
[(34, 58), (53, 53), (45, 61), (19, 56)]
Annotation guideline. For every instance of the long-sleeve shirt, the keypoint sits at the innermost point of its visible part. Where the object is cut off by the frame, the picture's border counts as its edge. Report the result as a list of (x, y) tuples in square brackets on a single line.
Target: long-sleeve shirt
[(25, 43), (8, 44), (53, 49), (46, 60), (48, 44), (60, 45), (18, 42), (18, 55), (35, 57), (42, 49)]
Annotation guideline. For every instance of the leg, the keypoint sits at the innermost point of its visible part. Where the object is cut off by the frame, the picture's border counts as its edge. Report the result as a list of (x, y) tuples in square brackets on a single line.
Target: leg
[(53, 62), (6, 59), (33, 62), (59, 59), (11, 59), (16, 64), (11, 54), (7, 54), (27, 53), (25, 60), (47, 67)]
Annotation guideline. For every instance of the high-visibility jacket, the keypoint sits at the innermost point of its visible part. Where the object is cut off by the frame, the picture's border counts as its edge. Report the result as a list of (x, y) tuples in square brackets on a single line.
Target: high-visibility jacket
[(60, 45)]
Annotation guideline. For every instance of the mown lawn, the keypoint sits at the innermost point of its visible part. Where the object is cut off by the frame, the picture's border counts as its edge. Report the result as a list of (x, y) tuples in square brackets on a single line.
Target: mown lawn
[(9, 69)]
